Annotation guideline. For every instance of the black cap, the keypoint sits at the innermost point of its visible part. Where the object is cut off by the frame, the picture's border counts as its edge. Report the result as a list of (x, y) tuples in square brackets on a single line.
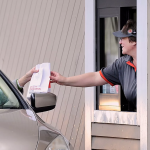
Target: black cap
[(120, 34)]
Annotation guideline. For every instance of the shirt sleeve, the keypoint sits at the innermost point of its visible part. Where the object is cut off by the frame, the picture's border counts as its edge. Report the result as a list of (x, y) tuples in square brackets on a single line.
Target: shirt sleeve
[(111, 73), (15, 84)]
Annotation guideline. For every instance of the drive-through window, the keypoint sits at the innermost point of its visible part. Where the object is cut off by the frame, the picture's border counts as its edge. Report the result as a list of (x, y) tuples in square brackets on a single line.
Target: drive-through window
[(110, 18)]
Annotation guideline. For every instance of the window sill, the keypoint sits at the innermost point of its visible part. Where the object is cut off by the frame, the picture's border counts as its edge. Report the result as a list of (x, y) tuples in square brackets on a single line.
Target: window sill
[(115, 117)]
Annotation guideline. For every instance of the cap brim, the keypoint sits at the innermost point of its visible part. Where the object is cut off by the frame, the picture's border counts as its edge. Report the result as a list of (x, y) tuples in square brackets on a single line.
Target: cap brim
[(120, 34)]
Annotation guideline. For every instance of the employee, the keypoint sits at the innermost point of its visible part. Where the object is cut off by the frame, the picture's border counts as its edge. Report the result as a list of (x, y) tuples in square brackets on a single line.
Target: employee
[(121, 72)]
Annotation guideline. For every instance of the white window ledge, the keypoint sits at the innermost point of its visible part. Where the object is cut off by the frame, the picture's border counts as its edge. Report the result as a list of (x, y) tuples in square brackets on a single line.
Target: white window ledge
[(116, 117)]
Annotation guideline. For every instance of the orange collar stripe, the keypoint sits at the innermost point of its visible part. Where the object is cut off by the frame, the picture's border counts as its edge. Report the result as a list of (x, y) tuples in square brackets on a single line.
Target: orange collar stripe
[(130, 64)]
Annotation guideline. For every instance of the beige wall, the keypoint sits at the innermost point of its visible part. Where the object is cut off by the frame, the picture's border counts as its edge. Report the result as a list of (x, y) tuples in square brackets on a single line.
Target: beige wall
[(36, 31)]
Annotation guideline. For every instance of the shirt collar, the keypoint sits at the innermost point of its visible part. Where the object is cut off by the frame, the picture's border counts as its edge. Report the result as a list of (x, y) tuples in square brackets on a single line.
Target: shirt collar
[(129, 61)]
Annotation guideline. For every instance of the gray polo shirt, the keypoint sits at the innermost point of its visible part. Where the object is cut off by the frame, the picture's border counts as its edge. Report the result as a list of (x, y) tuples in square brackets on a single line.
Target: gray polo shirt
[(122, 72)]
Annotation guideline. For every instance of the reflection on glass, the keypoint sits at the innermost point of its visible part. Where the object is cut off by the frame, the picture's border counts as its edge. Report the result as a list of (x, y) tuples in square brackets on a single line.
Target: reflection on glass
[(107, 88), (7, 98), (110, 49)]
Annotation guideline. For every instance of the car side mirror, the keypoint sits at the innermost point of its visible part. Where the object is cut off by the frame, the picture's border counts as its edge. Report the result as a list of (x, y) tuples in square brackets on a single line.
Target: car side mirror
[(41, 102)]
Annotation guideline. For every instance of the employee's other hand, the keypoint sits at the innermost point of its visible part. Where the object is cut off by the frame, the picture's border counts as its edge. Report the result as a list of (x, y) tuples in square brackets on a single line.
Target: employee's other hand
[(57, 78), (27, 77)]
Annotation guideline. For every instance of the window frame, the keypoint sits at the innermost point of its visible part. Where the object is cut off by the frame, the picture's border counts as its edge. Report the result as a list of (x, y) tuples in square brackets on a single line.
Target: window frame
[(14, 90), (90, 92), (90, 46)]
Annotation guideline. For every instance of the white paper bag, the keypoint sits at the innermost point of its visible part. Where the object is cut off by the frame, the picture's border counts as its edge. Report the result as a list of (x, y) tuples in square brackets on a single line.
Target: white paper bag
[(40, 81)]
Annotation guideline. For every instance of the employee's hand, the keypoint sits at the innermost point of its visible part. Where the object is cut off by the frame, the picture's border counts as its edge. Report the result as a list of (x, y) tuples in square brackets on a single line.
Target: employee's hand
[(57, 78), (27, 77)]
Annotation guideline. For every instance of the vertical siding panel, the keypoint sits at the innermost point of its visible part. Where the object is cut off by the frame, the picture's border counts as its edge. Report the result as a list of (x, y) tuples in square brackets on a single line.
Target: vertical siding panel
[(4, 33), (28, 46), (63, 47), (44, 48), (72, 112), (65, 41), (70, 43), (47, 37), (3, 5), (2, 26), (25, 43), (72, 123), (53, 42), (57, 46), (82, 145), (19, 38), (81, 134), (30, 33), (48, 30), (77, 119), (38, 25), (16, 20), (8, 34), (71, 73), (55, 35), (37, 59), (54, 19), (1, 12), (29, 50)]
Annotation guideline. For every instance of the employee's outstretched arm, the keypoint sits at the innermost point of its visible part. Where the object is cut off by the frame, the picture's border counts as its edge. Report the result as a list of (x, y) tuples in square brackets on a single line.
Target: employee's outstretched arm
[(83, 80)]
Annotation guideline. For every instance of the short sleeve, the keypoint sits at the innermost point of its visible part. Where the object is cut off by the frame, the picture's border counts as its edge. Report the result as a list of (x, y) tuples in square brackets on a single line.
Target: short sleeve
[(111, 73)]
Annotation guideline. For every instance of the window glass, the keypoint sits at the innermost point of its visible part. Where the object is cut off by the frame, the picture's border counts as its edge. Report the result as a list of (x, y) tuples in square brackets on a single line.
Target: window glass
[(110, 49), (109, 96), (109, 20), (7, 98)]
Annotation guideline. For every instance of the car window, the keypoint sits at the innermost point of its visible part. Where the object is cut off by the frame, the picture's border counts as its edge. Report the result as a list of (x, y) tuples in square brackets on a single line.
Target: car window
[(7, 98)]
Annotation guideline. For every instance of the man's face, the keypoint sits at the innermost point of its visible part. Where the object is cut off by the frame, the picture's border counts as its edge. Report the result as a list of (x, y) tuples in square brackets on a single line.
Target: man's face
[(127, 46)]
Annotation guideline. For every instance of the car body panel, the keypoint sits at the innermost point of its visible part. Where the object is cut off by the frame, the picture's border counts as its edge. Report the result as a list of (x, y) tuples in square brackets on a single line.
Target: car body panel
[(46, 136), (18, 127)]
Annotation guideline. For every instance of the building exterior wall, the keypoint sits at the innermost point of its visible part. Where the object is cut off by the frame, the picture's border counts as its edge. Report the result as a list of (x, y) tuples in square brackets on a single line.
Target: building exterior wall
[(37, 31), (115, 136)]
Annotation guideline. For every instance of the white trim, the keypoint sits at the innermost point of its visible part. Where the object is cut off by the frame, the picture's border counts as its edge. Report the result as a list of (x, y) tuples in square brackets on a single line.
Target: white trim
[(142, 73), (89, 67)]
